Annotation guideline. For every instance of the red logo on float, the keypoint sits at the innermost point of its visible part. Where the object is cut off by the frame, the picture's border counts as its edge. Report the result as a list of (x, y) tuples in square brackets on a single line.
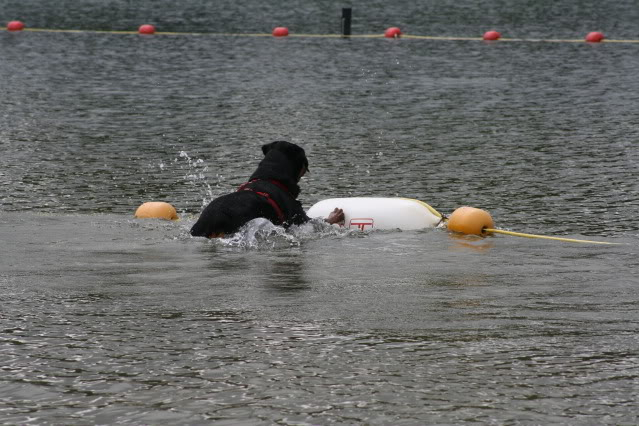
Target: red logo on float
[(361, 223)]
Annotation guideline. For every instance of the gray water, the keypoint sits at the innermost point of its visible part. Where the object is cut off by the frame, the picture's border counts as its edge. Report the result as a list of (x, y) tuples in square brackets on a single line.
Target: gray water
[(105, 319)]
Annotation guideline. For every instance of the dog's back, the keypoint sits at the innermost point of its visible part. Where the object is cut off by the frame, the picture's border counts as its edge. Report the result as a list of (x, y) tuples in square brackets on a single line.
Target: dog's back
[(227, 214)]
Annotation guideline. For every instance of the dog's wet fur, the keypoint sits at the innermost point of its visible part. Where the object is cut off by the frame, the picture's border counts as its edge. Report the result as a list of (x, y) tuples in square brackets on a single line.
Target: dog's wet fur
[(276, 178)]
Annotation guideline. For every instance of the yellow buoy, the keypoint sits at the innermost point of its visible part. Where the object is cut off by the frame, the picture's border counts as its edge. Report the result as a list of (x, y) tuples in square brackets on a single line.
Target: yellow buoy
[(156, 210), (469, 220)]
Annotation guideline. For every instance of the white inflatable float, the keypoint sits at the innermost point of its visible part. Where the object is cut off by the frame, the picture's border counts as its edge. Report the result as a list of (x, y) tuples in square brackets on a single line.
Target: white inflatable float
[(368, 213)]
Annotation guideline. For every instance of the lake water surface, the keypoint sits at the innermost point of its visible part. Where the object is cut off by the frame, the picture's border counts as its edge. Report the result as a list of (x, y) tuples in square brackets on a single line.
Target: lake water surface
[(105, 319)]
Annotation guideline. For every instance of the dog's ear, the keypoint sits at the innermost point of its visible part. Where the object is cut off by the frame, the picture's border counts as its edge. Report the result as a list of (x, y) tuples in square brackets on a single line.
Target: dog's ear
[(267, 147)]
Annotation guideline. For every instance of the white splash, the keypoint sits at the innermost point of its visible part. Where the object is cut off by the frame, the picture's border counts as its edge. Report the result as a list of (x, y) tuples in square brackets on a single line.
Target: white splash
[(261, 233)]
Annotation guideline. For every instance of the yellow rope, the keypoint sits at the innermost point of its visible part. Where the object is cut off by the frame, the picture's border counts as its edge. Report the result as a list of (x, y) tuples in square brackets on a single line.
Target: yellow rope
[(568, 240), (545, 237), (44, 30), (429, 207)]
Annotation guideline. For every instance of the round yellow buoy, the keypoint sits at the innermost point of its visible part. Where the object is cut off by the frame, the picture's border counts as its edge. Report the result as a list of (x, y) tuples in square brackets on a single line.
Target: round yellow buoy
[(156, 210), (469, 220)]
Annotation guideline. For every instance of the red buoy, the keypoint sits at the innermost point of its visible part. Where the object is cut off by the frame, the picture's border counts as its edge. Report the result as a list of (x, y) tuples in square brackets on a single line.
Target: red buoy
[(15, 26), (146, 29), (393, 32), (492, 35), (594, 37), (280, 31)]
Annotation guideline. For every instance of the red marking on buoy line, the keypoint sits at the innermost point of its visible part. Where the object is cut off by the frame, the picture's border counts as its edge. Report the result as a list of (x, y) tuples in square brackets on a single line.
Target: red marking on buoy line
[(594, 37), (361, 223), (280, 31), (492, 35), (156, 210), (393, 32), (15, 26), (146, 29)]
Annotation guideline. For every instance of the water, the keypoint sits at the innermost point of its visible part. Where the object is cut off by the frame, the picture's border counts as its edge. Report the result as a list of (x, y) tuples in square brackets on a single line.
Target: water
[(109, 320)]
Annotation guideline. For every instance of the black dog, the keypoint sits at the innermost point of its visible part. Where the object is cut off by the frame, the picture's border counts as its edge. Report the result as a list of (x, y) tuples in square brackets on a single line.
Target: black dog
[(271, 193)]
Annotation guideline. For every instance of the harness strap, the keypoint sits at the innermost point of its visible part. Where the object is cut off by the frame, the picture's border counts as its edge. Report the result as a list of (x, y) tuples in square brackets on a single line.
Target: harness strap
[(272, 202), (280, 184), (276, 207), (244, 185), (273, 181)]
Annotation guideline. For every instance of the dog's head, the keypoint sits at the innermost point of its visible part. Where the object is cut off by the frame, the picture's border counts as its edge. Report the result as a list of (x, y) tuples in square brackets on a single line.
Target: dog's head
[(294, 153)]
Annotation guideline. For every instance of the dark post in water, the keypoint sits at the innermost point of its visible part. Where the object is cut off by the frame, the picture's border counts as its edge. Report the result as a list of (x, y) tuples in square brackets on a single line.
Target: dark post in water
[(346, 21)]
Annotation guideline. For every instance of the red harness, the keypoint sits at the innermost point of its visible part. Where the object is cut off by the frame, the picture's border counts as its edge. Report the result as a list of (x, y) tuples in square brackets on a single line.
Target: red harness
[(272, 202)]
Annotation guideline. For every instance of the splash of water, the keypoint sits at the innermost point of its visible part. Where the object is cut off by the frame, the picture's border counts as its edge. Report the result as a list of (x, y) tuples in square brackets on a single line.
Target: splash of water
[(196, 176), (262, 234)]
